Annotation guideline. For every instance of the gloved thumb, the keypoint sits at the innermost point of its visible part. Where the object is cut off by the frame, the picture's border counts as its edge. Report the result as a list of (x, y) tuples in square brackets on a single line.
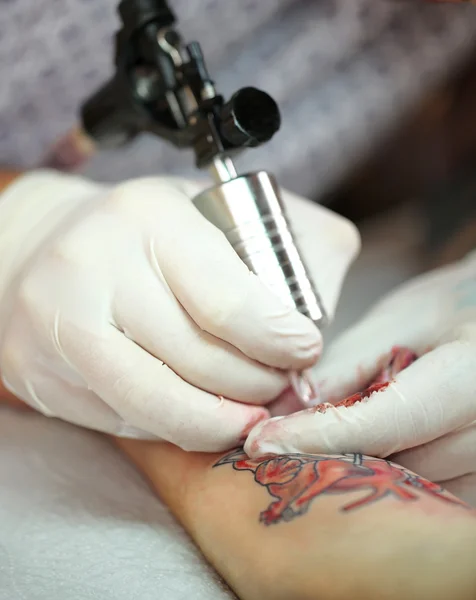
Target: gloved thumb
[(432, 397), (353, 361)]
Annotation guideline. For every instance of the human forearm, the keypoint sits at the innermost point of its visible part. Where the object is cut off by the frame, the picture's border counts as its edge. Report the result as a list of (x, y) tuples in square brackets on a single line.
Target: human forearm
[(346, 527)]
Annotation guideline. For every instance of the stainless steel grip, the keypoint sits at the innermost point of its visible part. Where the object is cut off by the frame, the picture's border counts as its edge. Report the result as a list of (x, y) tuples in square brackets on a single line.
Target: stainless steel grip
[(250, 212)]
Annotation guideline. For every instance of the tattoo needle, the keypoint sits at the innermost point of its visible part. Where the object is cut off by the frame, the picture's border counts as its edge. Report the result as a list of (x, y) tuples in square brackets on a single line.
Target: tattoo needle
[(303, 387), (301, 381)]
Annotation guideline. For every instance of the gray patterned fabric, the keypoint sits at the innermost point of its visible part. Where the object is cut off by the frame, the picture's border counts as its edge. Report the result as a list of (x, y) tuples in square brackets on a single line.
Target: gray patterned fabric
[(342, 71)]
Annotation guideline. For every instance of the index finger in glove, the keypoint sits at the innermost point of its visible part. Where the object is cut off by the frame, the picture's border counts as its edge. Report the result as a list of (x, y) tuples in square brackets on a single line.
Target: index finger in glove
[(430, 398), (216, 288), (329, 244), (149, 396)]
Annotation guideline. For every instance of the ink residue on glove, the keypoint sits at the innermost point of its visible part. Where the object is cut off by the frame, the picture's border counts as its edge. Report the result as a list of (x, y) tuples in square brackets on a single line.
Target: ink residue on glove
[(400, 359), (298, 433)]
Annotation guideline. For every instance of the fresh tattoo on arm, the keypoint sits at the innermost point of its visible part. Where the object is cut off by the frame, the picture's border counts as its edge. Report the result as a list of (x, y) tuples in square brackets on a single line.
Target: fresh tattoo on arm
[(295, 480)]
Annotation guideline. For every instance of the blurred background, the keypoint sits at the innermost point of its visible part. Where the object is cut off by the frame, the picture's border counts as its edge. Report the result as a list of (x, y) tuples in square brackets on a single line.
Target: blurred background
[(414, 196), (378, 99)]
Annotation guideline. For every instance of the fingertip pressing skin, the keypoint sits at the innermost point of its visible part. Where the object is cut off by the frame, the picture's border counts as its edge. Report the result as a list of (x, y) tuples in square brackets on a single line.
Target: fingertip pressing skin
[(356, 424), (415, 407), (312, 431)]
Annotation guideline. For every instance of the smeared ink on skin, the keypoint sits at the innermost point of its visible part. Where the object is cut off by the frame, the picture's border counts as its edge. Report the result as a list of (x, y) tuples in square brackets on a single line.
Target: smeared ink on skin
[(399, 359), (296, 480)]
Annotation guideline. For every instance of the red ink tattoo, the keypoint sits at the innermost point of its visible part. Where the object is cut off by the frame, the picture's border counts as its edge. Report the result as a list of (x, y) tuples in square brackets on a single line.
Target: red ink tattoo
[(296, 480)]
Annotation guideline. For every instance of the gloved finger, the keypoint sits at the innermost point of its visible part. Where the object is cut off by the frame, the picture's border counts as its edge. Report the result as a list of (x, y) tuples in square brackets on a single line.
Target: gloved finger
[(46, 390), (80, 406), (218, 291), (155, 320), (429, 399), (356, 357), (329, 244), (148, 395), (463, 487), (448, 457), (396, 360)]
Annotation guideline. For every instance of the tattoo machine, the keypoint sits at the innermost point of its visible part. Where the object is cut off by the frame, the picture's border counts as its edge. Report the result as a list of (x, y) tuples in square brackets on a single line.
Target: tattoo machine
[(163, 87)]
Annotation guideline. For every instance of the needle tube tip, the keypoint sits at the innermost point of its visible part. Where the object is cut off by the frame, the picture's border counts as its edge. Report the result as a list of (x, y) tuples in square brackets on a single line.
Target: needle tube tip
[(304, 388)]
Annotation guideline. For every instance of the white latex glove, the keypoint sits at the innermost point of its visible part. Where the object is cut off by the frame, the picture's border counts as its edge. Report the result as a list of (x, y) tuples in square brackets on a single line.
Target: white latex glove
[(123, 310), (426, 418)]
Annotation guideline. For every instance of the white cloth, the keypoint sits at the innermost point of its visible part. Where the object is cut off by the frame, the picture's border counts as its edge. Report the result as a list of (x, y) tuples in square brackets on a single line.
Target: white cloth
[(78, 522)]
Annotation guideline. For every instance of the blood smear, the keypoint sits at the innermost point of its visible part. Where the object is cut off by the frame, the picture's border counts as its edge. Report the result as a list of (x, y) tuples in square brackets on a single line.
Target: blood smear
[(399, 359)]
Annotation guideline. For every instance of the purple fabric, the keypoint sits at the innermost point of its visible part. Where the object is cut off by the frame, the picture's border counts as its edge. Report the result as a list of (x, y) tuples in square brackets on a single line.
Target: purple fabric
[(342, 72)]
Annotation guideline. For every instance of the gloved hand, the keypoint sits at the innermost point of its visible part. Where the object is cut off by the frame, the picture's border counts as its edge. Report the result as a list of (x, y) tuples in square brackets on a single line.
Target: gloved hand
[(123, 310), (426, 418)]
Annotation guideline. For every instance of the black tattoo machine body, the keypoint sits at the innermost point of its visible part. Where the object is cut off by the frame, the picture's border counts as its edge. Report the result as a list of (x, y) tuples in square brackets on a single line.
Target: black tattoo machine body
[(162, 86)]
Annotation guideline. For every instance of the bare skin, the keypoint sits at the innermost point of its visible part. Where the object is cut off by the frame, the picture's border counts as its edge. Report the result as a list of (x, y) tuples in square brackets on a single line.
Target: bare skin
[(306, 527)]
